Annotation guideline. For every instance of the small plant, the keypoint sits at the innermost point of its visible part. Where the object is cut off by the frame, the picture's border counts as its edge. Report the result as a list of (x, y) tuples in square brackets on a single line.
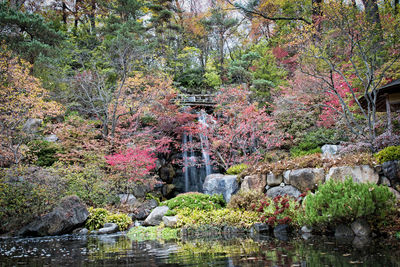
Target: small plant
[(97, 218), (140, 233), (342, 202), (195, 200), (121, 219), (280, 210), (236, 169), (388, 154), (244, 200), (221, 217)]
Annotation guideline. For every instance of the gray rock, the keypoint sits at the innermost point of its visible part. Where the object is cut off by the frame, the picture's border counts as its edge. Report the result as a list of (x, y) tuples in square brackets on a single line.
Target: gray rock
[(221, 184), (254, 182), (306, 236), (170, 221), (395, 192), (283, 190), (143, 209), (274, 180), (286, 176), (281, 232), (391, 170), (127, 199), (330, 151), (306, 178), (156, 216), (267, 187), (360, 174), (306, 229), (108, 228), (343, 231), (68, 215), (361, 227), (140, 190), (259, 228), (51, 138), (32, 125), (385, 181)]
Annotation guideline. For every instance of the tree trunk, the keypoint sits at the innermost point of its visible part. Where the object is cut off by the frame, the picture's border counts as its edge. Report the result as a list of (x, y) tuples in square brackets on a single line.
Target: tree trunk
[(372, 12), (64, 12), (396, 6), (92, 16), (316, 15)]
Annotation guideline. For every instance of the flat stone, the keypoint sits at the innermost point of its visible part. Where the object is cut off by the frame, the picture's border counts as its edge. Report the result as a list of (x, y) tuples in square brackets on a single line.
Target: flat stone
[(170, 221), (306, 178), (254, 183), (283, 190), (274, 180), (156, 216), (361, 227), (108, 228), (359, 174)]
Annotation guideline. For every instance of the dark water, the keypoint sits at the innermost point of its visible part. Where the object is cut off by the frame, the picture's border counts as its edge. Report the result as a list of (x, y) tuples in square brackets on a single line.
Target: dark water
[(119, 250)]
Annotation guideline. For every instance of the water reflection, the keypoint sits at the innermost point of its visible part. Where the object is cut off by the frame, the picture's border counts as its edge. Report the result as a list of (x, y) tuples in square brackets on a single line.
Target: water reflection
[(119, 250)]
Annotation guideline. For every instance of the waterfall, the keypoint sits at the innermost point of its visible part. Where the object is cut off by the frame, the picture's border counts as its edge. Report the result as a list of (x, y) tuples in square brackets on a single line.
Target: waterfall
[(205, 146), (196, 166)]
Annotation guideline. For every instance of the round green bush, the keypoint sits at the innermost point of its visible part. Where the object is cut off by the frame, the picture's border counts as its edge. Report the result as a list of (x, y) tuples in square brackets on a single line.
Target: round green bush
[(195, 200), (388, 154), (342, 202), (97, 218)]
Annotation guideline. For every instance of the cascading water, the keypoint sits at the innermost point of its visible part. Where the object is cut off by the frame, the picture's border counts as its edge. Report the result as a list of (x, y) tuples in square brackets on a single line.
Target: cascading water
[(196, 168), (205, 146)]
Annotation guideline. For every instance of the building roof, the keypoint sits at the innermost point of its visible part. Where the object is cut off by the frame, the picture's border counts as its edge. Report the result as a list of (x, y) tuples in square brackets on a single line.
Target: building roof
[(388, 89)]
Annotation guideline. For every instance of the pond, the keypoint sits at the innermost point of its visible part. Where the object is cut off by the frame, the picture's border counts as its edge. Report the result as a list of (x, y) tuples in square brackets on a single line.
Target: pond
[(119, 250)]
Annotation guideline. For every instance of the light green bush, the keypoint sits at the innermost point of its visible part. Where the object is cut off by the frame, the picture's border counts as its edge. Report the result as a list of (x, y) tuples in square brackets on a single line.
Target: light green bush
[(236, 169), (220, 217), (193, 201), (121, 219), (343, 202), (97, 218), (388, 154)]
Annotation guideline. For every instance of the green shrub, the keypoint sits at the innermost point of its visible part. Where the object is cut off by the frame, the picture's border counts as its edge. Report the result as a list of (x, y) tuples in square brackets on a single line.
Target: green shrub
[(21, 201), (195, 201), (300, 151), (140, 233), (43, 153), (121, 219), (245, 200), (97, 218), (342, 202), (220, 217), (388, 154), (236, 169), (88, 184)]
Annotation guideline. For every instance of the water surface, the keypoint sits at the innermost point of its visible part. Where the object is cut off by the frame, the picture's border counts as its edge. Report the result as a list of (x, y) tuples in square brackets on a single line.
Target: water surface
[(119, 250)]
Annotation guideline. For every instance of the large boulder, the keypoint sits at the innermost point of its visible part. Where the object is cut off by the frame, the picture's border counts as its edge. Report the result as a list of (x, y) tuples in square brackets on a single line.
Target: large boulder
[(289, 190), (108, 228), (69, 214), (306, 178), (254, 182), (143, 209), (170, 221), (359, 174), (221, 184), (274, 180), (127, 199), (155, 217)]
